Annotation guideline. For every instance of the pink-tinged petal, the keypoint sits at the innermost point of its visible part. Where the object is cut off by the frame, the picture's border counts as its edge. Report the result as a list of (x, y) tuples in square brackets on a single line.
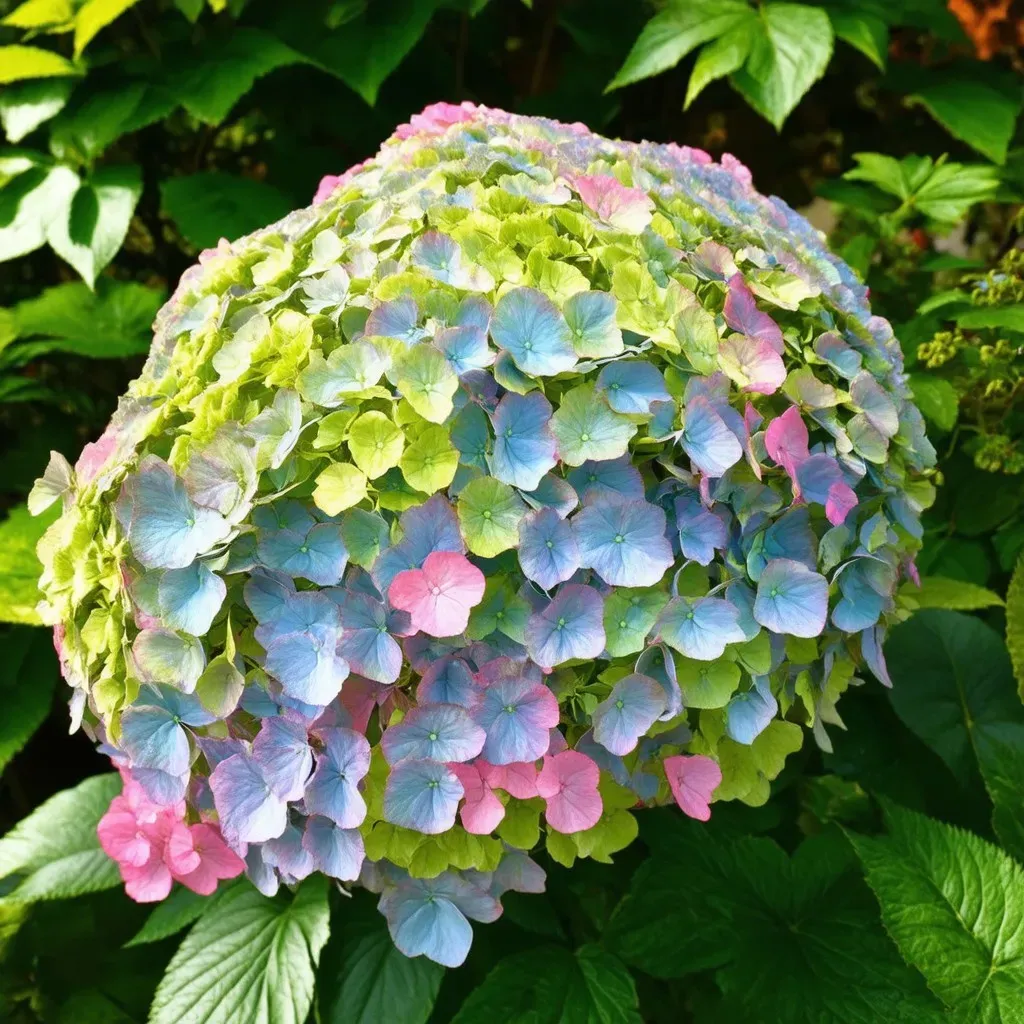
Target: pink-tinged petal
[(518, 779), (328, 183), (692, 779), (741, 314), (359, 697), (149, 882), (439, 596), (482, 811), (786, 441), (568, 784), (752, 364), (180, 853), (842, 499), (738, 170), (123, 838), (214, 860), (628, 209)]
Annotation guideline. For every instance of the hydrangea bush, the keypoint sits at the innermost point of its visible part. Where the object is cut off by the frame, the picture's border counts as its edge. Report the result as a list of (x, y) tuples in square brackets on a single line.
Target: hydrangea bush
[(524, 479)]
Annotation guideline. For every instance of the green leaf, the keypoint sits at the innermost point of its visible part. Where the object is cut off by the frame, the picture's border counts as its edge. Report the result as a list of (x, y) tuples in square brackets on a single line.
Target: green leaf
[(676, 31), (552, 985), (797, 934), (20, 569), (340, 486), (365, 979), (112, 322), (27, 675), (97, 220), (95, 15), (182, 908), (211, 79), (953, 686), (55, 15), (364, 49), (972, 110), (1015, 624), (719, 58), (87, 129), (940, 592), (952, 189), (1007, 317), (26, 105), (211, 205), (29, 202), (489, 514), (936, 398), (789, 54), (953, 903), (252, 962), (21, 62), (864, 30), (54, 852)]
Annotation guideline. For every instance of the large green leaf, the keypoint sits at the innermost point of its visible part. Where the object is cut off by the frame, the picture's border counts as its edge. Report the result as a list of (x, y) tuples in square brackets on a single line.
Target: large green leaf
[(364, 979), (362, 49), (19, 567), (26, 105), (676, 31), (1011, 317), (97, 219), (182, 908), (213, 205), (955, 906), (209, 80), (862, 24), (975, 111), (21, 62), (789, 54), (936, 398), (953, 686), (54, 853), (27, 674), (29, 202), (552, 985), (252, 962), (942, 592), (112, 322), (798, 934), (95, 15)]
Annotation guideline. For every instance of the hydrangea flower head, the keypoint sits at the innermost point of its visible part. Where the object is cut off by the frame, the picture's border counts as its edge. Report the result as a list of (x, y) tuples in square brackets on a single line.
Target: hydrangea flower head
[(523, 479)]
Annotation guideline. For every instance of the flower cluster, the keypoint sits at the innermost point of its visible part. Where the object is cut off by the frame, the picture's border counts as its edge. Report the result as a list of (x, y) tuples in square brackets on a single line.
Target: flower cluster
[(524, 479)]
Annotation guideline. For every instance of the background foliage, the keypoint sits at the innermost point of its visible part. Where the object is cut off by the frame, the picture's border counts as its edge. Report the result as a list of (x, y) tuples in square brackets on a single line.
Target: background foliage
[(881, 880)]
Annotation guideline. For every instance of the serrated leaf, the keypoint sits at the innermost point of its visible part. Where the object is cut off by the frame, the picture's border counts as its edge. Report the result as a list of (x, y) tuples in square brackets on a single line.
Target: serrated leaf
[(1015, 624), (55, 852), (936, 398), (97, 220), (26, 105), (213, 205), (209, 80), (953, 686), (940, 592), (30, 201), (20, 62), (864, 31), (182, 908), (95, 15), (551, 985), (55, 15), (789, 54), (797, 934), (112, 322), (363, 50), (20, 569), (719, 58), (676, 31), (972, 110), (252, 962), (365, 980), (953, 903), (27, 675)]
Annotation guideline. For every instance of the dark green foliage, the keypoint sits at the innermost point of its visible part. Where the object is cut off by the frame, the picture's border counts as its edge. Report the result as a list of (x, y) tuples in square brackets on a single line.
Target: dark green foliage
[(136, 134)]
